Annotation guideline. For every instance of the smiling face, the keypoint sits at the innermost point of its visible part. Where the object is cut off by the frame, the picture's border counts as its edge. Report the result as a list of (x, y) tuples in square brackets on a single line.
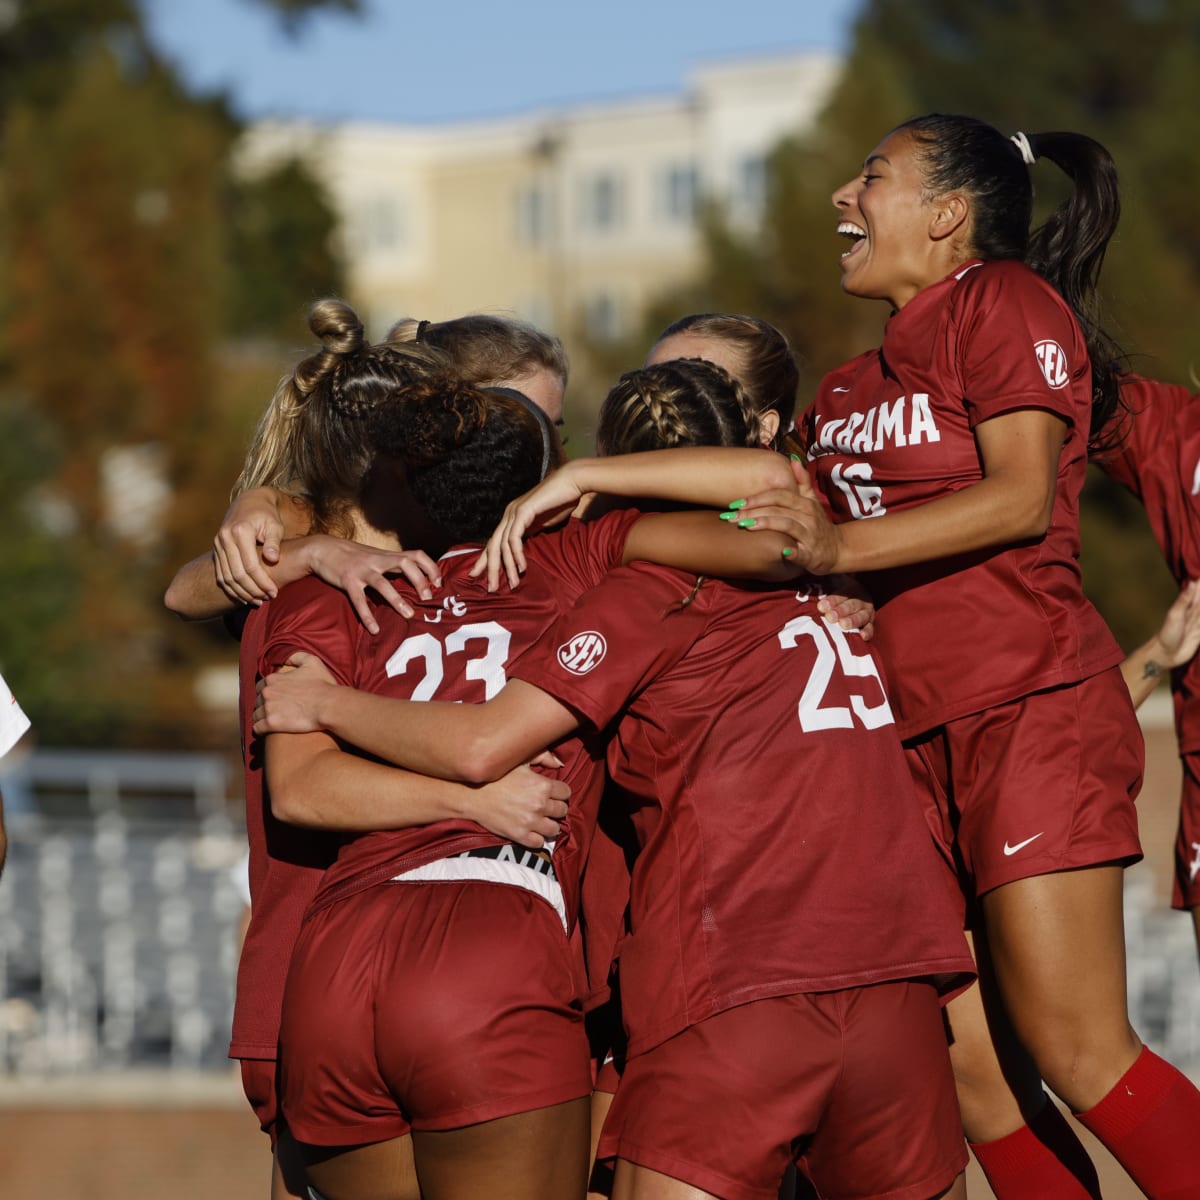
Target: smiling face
[(901, 239)]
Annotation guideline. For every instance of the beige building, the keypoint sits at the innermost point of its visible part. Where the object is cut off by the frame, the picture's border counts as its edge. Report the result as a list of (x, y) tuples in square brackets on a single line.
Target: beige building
[(572, 218)]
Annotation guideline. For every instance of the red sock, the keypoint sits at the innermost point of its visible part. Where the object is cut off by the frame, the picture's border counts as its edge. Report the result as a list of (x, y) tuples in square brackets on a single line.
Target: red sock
[(1150, 1122), (1043, 1160)]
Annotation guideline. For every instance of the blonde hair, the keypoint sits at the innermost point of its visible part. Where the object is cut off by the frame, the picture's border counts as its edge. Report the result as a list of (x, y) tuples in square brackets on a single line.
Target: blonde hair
[(313, 440), (684, 402), (483, 349), (767, 367)]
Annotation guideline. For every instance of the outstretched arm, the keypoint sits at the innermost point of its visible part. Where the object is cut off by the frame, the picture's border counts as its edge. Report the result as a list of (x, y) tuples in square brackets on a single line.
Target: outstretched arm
[(314, 783), (1175, 643), (1013, 502), (697, 475), (470, 743)]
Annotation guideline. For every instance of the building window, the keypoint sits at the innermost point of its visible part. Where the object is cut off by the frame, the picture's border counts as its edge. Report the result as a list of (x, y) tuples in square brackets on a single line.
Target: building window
[(533, 216), (603, 202), (680, 193), (604, 317), (379, 224), (750, 194)]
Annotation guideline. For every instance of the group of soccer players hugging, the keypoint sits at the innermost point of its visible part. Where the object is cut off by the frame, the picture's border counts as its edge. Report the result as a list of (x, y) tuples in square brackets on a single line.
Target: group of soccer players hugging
[(615, 824)]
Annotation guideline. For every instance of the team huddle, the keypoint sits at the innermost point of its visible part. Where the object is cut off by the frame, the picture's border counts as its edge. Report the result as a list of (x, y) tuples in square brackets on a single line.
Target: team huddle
[(743, 808)]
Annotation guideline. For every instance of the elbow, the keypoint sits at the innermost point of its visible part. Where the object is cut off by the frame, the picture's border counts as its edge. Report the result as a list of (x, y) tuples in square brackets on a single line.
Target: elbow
[(289, 807), (174, 599), (483, 759), (1031, 521), (775, 473)]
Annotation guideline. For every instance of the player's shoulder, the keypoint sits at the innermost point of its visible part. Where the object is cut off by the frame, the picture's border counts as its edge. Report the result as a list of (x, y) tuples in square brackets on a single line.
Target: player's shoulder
[(1003, 280), (1141, 394)]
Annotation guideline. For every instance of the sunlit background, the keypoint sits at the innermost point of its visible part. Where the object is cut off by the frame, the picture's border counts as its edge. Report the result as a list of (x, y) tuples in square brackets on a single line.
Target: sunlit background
[(180, 178)]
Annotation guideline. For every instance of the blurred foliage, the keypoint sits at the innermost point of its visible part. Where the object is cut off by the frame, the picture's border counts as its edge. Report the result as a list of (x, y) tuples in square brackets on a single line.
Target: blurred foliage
[(1123, 71), (140, 283)]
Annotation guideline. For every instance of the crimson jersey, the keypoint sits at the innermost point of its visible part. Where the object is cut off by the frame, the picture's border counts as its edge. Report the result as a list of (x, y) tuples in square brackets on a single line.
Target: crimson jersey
[(444, 654), (1159, 463), (286, 865), (782, 848), (457, 647), (894, 428)]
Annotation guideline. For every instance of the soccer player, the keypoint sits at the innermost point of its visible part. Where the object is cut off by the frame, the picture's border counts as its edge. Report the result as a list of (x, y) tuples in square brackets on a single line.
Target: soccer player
[(770, 1010), (952, 459), (14, 724), (1159, 462)]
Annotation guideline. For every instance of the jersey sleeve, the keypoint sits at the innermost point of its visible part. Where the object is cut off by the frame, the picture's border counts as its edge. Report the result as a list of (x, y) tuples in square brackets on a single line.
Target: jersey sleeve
[(619, 636), (585, 551), (13, 722), (311, 616), (1018, 346)]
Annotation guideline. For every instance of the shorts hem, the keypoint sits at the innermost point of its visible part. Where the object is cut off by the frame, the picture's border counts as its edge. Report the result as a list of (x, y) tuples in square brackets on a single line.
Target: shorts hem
[(1122, 854), (383, 1130), (705, 1178), (508, 1106), (932, 1185)]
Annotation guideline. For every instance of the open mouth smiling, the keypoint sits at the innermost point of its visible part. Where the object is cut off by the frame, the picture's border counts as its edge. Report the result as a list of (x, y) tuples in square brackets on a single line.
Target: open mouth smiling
[(856, 233)]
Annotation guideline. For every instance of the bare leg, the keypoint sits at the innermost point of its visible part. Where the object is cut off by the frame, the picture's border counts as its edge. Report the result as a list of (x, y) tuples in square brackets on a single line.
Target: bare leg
[(1196, 923), (956, 1191), (377, 1171), (998, 1085), (601, 1103), (538, 1155), (640, 1183), (1058, 950)]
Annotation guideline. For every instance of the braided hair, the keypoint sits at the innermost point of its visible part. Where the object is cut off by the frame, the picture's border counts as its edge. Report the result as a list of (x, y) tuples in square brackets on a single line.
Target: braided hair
[(684, 402)]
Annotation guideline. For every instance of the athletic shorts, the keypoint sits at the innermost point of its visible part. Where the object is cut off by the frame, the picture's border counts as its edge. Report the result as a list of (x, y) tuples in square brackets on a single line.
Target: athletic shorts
[(429, 1006), (258, 1082), (1187, 844), (1041, 784), (854, 1086)]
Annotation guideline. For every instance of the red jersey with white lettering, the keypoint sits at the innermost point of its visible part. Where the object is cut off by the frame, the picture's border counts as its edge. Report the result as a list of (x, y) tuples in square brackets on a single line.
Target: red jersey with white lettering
[(782, 848), (895, 428), (286, 865), (452, 649), (458, 647), (1159, 463)]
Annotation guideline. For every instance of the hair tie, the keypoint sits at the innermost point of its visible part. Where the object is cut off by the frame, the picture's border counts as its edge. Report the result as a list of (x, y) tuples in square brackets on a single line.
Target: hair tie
[(1022, 144), (421, 327), (547, 430)]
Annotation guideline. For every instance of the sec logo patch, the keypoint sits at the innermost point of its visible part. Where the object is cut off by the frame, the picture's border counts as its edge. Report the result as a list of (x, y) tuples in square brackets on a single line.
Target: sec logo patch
[(1053, 360), (583, 652)]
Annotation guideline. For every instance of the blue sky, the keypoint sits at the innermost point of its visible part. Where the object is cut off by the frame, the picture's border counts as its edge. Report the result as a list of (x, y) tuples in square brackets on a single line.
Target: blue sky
[(433, 60)]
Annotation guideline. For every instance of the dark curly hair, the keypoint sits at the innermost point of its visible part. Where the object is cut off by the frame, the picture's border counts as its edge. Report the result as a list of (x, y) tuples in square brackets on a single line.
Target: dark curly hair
[(465, 452)]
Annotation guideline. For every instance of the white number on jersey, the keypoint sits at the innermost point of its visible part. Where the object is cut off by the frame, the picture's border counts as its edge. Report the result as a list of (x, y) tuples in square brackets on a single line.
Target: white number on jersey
[(864, 497), (833, 649), (487, 666)]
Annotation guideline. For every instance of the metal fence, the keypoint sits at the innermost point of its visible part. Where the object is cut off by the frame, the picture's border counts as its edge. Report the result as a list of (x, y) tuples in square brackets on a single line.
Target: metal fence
[(120, 910)]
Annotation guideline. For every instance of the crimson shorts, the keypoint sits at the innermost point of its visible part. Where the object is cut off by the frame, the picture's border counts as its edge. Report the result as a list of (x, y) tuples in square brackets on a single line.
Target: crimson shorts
[(1041, 784), (854, 1085), (1187, 844), (429, 1006), (258, 1082)]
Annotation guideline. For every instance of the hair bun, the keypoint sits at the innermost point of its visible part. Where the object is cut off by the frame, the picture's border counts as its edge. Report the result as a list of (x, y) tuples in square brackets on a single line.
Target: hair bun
[(337, 326)]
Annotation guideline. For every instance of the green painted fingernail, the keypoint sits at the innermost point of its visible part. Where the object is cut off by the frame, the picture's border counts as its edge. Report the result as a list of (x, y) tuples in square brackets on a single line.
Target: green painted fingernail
[(736, 504), (728, 516), (796, 458), (748, 523), (787, 552)]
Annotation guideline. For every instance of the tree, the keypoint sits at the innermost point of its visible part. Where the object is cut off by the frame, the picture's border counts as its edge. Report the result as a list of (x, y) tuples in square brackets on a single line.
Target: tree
[(1119, 70)]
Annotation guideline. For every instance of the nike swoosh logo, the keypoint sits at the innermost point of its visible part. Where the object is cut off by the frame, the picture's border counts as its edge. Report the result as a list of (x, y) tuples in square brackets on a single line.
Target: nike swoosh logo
[(841, 389), (1010, 850)]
